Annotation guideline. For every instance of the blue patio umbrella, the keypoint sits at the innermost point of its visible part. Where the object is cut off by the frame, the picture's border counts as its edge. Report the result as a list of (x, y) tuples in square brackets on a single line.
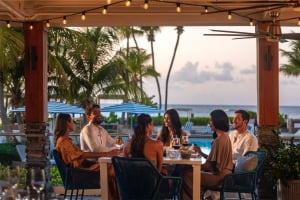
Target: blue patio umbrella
[(131, 107), (57, 107)]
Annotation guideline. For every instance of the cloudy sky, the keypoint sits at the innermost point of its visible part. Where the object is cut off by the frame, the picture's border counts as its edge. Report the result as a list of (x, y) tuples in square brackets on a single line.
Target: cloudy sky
[(213, 70)]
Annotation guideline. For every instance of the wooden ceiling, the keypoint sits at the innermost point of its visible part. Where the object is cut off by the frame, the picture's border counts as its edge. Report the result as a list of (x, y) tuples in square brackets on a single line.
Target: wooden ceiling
[(159, 12)]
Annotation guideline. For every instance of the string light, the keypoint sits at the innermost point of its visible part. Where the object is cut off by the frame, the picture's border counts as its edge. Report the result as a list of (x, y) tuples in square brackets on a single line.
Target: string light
[(146, 6), (206, 9), (128, 3), (178, 9), (104, 11), (8, 24), (64, 20), (251, 22), (299, 21), (229, 17), (83, 16), (47, 24)]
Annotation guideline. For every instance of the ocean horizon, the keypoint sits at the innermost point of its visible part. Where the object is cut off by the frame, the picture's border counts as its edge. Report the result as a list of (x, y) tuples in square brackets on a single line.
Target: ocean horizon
[(201, 110)]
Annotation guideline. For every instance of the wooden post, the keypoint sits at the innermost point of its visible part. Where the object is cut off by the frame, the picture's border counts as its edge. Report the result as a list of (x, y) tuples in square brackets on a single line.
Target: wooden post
[(36, 99)]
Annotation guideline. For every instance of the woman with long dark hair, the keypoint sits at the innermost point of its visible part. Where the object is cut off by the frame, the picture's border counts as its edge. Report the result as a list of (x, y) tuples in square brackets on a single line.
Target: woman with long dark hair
[(142, 145), (75, 157), (219, 160), (171, 128)]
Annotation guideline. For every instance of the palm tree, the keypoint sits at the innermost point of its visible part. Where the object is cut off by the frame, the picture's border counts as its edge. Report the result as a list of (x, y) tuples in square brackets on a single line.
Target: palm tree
[(127, 78), (293, 67), (150, 31), (179, 32), (11, 49), (15, 88), (80, 54)]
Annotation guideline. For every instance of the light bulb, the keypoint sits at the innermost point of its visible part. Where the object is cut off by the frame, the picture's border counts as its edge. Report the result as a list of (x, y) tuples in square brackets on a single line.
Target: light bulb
[(47, 24), (146, 6), (64, 20), (31, 27), (108, 1), (128, 3), (206, 9), (229, 17), (8, 24), (298, 21), (251, 22), (104, 11), (83, 16), (178, 9)]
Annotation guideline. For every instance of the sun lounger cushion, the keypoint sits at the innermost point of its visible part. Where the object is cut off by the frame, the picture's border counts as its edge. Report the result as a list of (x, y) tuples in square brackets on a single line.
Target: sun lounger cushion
[(246, 163)]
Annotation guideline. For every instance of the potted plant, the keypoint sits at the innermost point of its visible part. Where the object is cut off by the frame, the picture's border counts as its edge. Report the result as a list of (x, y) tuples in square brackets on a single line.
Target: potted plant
[(284, 160)]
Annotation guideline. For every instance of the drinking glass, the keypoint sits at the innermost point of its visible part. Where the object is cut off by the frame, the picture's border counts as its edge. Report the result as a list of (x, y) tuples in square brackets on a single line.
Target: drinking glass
[(176, 143), (38, 180), (185, 140)]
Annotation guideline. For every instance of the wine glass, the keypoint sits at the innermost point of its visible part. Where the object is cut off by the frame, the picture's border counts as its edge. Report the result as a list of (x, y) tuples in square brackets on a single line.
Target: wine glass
[(185, 140), (176, 143), (12, 177), (37, 180)]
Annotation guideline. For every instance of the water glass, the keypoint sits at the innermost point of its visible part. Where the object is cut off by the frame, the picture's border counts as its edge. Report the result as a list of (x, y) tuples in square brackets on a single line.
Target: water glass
[(38, 180), (172, 153)]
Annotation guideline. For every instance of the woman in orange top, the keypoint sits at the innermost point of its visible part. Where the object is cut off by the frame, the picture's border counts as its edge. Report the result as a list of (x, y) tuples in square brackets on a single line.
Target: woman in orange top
[(74, 156)]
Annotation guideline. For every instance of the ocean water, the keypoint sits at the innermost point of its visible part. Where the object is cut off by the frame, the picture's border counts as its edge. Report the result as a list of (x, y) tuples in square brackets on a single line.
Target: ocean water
[(204, 110), (292, 112)]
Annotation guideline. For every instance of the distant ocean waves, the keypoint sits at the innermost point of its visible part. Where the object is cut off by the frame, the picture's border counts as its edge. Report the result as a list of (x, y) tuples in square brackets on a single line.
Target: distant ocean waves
[(204, 110)]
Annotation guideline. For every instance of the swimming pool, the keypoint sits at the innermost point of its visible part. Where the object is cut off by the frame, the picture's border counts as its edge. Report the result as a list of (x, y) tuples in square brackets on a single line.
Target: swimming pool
[(203, 143)]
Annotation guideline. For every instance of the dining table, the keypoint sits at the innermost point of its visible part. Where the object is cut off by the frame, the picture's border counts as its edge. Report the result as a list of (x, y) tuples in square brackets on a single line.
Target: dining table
[(194, 162)]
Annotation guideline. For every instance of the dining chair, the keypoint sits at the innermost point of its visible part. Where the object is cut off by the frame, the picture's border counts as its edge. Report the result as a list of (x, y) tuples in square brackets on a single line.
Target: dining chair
[(245, 177), (76, 178), (138, 178)]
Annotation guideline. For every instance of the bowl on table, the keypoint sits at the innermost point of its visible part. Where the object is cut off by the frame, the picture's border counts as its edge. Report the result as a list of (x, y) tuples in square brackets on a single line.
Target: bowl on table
[(185, 154)]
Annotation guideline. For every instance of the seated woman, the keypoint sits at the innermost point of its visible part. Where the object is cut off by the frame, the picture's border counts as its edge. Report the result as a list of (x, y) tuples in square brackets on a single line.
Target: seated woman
[(141, 144), (73, 155), (219, 160), (171, 128)]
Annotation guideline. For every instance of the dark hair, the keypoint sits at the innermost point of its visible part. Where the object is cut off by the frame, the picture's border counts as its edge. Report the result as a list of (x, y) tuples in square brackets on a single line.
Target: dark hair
[(61, 125), (220, 120), (175, 121), (89, 108), (245, 115), (138, 137)]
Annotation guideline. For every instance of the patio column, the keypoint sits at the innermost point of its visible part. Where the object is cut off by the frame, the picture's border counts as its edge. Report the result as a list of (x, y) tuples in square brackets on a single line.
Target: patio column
[(36, 115), (267, 101)]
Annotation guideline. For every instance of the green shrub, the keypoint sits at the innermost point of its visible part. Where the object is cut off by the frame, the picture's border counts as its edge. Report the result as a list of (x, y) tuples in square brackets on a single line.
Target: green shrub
[(55, 176), (8, 153)]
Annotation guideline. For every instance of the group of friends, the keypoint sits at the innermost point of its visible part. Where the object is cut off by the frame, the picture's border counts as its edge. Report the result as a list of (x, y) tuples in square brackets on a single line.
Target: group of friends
[(95, 142)]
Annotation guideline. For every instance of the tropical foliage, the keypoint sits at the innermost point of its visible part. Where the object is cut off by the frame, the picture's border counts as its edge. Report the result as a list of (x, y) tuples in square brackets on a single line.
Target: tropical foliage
[(292, 68), (84, 64), (284, 159)]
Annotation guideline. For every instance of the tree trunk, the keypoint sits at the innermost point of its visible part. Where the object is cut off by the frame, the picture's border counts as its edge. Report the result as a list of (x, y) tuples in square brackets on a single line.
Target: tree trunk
[(179, 32)]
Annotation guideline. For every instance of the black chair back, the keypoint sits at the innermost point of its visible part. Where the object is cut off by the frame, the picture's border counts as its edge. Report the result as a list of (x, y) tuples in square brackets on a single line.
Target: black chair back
[(137, 178), (76, 178)]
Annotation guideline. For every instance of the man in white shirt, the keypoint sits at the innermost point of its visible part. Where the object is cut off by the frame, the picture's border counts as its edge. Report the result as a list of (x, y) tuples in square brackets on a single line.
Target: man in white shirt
[(93, 137), (242, 140)]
